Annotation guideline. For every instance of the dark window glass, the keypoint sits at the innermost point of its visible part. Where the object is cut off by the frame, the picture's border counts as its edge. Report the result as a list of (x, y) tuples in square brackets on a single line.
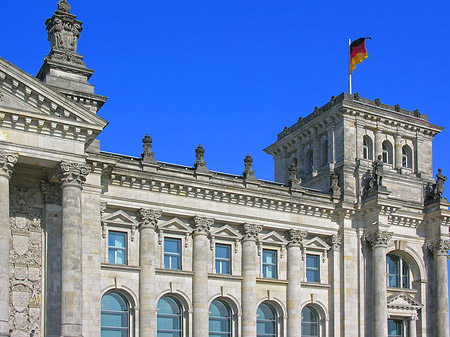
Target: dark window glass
[(223, 259), (219, 319), (168, 320), (396, 328), (310, 322), (172, 253), (266, 323), (269, 263), (114, 316), (117, 247), (312, 268)]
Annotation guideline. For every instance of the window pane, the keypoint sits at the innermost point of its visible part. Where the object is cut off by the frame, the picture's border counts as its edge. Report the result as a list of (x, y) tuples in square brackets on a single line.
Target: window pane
[(310, 322), (312, 261), (117, 251), (405, 275), (171, 245), (116, 239), (114, 316), (269, 263), (223, 251), (395, 328), (312, 268), (392, 265), (219, 319), (168, 318)]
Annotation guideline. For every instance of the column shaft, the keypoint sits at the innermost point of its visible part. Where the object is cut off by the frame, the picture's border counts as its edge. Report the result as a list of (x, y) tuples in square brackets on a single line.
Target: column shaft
[(440, 267), (294, 289), (200, 285), (71, 287), (398, 151), (248, 290), (379, 291), (378, 146), (4, 255), (412, 327)]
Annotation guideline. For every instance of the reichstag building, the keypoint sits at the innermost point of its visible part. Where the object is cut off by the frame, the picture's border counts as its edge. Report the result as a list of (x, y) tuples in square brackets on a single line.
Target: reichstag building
[(350, 241)]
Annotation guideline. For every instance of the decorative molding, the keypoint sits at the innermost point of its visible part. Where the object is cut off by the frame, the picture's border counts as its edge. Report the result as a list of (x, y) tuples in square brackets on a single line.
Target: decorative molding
[(296, 237), (251, 231), (149, 217), (378, 238), (7, 162), (335, 241), (439, 247), (202, 225), (72, 174)]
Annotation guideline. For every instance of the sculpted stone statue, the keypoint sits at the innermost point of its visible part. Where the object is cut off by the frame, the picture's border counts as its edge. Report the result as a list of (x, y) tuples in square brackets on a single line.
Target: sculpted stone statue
[(377, 171), (439, 189)]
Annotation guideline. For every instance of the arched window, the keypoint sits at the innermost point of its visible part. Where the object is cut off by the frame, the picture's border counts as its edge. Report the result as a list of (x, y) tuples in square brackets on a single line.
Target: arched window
[(324, 154), (169, 318), (310, 322), (219, 319), (309, 162), (387, 152), (406, 157), (266, 323), (367, 148), (397, 272), (115, 316)]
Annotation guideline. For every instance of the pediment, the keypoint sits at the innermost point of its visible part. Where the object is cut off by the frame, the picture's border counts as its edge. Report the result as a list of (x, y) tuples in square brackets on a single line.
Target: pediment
[(120, 218), (174, 225), (30, 104), (403, 301), (273, 238), (227, 232), (316, 243)]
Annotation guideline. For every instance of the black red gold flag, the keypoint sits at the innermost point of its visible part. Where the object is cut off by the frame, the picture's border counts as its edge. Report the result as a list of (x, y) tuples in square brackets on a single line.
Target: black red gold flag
[(358, 52)]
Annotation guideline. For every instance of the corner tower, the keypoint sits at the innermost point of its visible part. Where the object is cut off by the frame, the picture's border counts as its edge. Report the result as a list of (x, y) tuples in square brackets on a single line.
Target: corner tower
[(63, 68)]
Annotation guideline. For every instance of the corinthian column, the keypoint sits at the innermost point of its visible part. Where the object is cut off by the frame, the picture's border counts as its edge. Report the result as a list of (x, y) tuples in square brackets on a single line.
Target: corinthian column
[(202, 227), (147, 253), (294, 288), (7, 162), (72, 176), (440, 251), (249, 272), (379, 241)]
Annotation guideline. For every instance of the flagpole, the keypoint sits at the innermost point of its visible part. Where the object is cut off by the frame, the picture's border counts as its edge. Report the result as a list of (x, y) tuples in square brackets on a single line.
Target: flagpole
[(349, 73)]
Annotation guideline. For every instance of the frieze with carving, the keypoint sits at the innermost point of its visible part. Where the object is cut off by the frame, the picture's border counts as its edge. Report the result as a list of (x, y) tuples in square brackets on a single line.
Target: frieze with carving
[(251, 231), (296, 237), (202, 225), (379, 238), (439, 247), (72, 174), (149, 217)]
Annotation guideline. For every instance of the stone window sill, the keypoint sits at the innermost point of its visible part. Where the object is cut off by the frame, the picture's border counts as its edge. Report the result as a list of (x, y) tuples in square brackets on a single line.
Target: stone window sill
[(402, 290), (226, 276), (316, 285), (123, 267), (174, 272), (271, 280)]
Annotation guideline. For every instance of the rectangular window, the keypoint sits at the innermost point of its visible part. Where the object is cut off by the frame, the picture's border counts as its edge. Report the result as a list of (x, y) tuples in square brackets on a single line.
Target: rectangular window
[(117, 247), (223, 259), (393, 271), (396, 328), (172, 253), (269, 264), (312, 268)]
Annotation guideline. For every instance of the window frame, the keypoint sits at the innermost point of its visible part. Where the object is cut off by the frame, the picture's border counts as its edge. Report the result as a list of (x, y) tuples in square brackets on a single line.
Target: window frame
[(400, 276), (367, 148), (124, 249), (402, 324), (221, 260), (126, 313), (317, 270), (172, 254), (179, 316), (387, 150), (229, 319), (407, 154), (267, 264), (317, 323), (275, 320)]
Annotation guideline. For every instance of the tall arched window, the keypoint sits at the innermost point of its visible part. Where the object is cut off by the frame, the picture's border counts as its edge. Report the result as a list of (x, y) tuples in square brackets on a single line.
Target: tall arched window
[(324, 153), (397, 272), (406, 157), (266, 323), (367, 148), (309, 162), (115, 316), (310, 322), (169, 318), (219, 319), (387, 152)]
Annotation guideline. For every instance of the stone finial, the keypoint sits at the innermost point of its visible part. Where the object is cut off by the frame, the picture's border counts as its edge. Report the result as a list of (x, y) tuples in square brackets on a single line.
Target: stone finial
[(202, 225), (378, 238), (416, 113), (377, 102), (335, 189), (147, 154), (356, 96), (397, 107), (200, 164), (149, 217), (73, 174), (296, 237), (294, 181), (333, 100), (251, 231), (439, 247), (248, 174), (63, 33), (316, 111), (7, 162)]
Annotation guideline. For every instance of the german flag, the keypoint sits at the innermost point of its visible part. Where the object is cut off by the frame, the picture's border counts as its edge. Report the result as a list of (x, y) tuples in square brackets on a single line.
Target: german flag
[(358, 52)]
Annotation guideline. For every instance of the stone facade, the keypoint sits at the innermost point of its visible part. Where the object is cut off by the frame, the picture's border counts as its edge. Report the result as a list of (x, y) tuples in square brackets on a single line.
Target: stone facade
[(358, 244)]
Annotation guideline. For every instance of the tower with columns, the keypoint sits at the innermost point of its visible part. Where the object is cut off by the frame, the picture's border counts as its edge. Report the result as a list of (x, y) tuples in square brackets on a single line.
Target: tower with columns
[(350, 240)]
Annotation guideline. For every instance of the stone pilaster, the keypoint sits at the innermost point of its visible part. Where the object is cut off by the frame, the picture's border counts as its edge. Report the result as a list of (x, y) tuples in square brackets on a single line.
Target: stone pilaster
[(249, 272), (72, 176), (413, 326), (440, 252), (147, 252), (7, 162), (294, 287), (379, 241), (378, 142), (202, 227), (398, 151)]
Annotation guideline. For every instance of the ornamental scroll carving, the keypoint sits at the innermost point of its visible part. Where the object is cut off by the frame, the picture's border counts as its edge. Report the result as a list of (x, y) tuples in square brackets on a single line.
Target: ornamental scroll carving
[(335, 241), (7, 162), (149, 217), (72, 174), (202, 225), (379, 238), (251, 231), (25, 256), (296, 237)]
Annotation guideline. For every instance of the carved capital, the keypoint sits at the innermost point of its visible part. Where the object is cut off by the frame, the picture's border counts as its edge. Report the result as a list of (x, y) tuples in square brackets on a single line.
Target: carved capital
[(379, 238), (251, 231), (336, 240), (52, 192), (202, 225), (296, 237), (439, 247), (149, 217), (72, 174), (7, 162)]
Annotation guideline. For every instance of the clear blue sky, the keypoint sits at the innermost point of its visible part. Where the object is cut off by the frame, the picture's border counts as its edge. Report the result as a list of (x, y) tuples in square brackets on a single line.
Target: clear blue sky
[(231, 74)]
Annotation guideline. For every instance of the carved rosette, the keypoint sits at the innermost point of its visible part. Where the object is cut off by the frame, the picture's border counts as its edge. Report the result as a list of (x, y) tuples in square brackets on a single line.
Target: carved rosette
[(202, 225), (335, 241), (7, 162), (439, 247), (72, 174), (251, 231), (296, 237), (52, 192), (379, 238), (149, 217)]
